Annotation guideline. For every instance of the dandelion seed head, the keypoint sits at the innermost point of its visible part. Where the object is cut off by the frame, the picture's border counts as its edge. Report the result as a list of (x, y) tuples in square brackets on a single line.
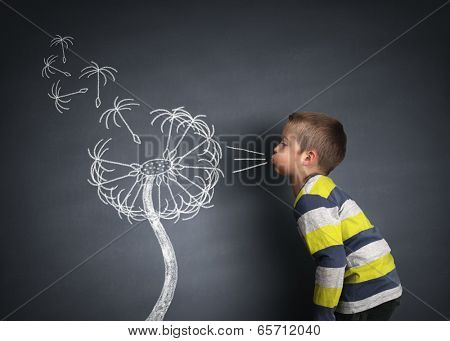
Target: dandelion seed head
[(176, 193)]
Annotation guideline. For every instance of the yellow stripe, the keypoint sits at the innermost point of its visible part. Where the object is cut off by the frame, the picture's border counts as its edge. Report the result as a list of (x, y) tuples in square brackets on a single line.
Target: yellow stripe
[(375, 269), (299, 196), (355, 224), (327, 297), (323, 237), (323, 186)]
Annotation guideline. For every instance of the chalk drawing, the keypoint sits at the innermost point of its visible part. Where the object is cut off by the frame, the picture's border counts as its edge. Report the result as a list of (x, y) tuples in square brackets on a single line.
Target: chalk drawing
[(64, 42), (49, 69), (162, 187), (104, 71), (61, 100), (124, 104), (248, 159)]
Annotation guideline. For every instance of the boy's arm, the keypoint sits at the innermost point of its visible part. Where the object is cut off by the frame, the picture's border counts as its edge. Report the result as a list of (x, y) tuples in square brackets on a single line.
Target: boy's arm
[(319, 224)]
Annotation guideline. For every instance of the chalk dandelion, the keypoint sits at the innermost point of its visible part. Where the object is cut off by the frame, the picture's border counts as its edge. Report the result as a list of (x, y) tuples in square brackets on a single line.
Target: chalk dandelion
[(115, 113), (64, 43), (62, 100), (105, 72), (162, 187), (49, 69)]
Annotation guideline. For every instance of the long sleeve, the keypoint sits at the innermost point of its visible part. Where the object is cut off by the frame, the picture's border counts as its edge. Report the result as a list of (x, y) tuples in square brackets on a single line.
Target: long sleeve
[(320, 227)]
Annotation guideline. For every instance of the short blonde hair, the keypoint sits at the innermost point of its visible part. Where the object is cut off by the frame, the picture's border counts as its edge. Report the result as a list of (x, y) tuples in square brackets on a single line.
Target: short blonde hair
[(323, 133)]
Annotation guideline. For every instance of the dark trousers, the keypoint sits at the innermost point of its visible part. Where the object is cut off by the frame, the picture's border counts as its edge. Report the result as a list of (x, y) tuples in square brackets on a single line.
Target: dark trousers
[(381, 312)]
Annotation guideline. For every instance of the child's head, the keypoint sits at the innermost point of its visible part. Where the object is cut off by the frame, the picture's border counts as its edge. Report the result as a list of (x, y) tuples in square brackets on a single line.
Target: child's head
[(311, 142)]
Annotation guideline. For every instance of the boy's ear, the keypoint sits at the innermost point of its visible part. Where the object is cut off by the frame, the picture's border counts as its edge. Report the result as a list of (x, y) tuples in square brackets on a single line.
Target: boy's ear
[(311, 155)]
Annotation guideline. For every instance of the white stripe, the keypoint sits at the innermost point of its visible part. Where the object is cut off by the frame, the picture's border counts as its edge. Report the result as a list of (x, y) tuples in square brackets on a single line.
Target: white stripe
[(330, 277), (349, 209), (370, 302), (316, 218), (310, 183), (368, 253)]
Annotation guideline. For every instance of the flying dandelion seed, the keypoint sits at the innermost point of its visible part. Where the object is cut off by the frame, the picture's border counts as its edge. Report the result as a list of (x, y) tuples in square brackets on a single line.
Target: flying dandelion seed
[(50, 70), (162, 188), (249, 159), (105, 72), (64, 42), (124, 104), (61, 100)]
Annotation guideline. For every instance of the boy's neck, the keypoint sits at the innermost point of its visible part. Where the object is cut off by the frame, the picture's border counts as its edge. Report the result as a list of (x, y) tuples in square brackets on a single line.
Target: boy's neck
[(299, 180)]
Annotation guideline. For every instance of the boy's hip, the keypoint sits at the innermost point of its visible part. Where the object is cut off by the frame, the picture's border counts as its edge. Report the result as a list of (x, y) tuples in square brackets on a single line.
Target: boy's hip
[(381, 312), (372, 300)]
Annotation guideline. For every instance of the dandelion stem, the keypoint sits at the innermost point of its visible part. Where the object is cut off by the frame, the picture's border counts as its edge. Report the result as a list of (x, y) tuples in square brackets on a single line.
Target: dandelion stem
[(64, 55), (67, 74), (170, 261), (81, 91), (170, 133), (98, 102), (135, 137)]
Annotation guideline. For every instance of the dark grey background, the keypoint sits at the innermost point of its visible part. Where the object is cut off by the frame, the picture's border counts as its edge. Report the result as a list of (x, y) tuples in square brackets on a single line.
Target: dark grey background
[(246, 65)]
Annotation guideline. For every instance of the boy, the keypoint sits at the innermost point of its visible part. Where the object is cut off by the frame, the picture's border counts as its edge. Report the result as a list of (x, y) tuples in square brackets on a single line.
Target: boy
[(355, 277)]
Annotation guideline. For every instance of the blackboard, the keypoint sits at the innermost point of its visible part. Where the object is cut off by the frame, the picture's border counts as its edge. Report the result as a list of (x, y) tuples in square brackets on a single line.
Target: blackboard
[(246, 65)]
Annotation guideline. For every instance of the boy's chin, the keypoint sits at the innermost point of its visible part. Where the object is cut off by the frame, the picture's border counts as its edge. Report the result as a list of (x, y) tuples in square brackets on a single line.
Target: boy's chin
[(280, 171)]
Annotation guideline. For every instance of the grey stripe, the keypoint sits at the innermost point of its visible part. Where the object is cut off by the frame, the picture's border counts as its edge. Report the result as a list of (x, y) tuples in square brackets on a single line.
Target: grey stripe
[(370, 302), (310, 183), (349, 209), (330, 277), (368, 253), (318, 217)]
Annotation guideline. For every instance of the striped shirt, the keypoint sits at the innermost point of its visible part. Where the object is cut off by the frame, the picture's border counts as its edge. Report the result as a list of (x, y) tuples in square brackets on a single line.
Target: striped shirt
[(355, 269)]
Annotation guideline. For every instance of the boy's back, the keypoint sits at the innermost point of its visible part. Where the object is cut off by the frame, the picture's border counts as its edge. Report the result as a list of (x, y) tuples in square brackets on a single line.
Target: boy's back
[(355, 268)]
